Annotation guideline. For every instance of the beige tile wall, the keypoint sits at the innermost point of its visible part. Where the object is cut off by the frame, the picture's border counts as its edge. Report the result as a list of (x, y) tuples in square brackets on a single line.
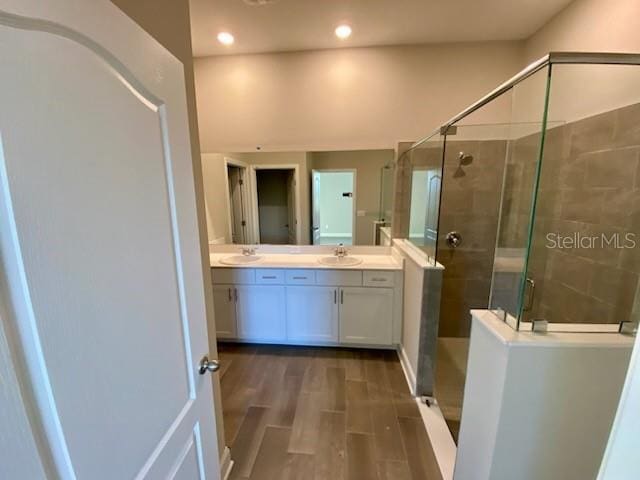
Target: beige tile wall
[(589, 185), (470, 205)]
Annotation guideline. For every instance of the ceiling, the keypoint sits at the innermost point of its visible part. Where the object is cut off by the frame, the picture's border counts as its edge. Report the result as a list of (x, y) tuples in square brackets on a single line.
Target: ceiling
[(289, 25)]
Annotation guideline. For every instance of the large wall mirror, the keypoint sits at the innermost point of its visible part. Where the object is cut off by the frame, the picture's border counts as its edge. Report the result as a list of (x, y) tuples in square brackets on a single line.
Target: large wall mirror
[(299, 198)]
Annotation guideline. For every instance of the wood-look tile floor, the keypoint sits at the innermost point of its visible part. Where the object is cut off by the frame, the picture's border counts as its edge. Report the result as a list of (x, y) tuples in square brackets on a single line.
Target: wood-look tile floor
[(298, 413)]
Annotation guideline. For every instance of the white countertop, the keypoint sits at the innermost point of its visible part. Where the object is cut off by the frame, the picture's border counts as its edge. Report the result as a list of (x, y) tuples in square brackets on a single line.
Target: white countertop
[(298, 260)]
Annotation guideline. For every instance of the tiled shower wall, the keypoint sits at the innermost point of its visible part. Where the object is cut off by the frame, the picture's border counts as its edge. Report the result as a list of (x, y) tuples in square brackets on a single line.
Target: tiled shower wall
[(470, 205), (589, 187)]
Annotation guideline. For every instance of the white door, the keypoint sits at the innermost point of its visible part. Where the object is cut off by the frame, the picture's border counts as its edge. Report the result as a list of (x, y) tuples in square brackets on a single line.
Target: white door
[(99, 243), (315, 207), (312, 314), (292, 224), (225, 310), (261, 313), (366, 315), (236, 200)]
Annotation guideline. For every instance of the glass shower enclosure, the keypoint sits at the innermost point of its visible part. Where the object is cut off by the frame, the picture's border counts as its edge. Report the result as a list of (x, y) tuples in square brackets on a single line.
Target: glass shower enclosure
[(538, 215)]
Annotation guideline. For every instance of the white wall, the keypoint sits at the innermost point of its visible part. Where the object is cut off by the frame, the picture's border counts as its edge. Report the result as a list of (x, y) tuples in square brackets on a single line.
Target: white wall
[(590, 26), (215, 194), (621, 460), (538, 406), (344, 99)]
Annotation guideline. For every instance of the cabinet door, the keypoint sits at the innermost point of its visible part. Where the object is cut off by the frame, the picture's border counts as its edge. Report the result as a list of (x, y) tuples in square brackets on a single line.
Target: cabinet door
[(366, 315), (312, 314), (261, 313), (225, 311)]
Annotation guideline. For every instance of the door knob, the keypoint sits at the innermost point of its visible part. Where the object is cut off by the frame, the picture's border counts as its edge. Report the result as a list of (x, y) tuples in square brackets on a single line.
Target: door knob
[(207, 365)]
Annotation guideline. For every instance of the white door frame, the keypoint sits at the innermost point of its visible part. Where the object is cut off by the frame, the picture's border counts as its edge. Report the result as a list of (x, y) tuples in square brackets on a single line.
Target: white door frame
[(228, 161), (355, 183), (254, 196)]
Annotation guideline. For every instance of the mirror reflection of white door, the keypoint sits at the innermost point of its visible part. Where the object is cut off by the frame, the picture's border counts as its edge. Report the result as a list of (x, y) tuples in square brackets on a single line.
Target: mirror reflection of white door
[(99, 244), (292, 222), (315, 207)]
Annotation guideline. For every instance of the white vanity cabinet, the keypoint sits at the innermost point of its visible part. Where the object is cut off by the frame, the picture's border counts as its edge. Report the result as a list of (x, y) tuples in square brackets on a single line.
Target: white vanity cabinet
[(225, 310), (308, 307), (312, 314), (365, 314), (261, 313)]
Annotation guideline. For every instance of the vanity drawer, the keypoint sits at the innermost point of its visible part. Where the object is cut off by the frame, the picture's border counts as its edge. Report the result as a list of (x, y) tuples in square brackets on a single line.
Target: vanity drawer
[(379, 278), (270, 276), (233, 276), (300, 277), (339, 278)]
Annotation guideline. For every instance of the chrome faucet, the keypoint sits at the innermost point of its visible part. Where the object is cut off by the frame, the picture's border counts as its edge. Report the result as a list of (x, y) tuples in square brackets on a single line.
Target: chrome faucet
[(340, 251), (250, 251)]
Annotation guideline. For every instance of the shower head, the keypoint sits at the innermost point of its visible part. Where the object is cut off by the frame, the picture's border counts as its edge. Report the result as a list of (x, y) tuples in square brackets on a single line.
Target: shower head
[(465, 159)]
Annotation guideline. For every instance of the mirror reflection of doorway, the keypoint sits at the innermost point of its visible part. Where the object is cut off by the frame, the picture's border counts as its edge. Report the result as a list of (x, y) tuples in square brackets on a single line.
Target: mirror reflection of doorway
[(425, 199), (236, 176), (276, 196), (333, 204)]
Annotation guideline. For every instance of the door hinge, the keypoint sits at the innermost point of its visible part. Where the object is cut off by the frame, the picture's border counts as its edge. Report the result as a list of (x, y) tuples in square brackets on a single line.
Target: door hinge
[(241, 182), (243, 223)]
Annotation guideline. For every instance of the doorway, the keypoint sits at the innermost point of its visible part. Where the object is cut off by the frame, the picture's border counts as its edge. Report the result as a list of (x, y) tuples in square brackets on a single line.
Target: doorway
[(237, 199), (333, 203), (276, 204)]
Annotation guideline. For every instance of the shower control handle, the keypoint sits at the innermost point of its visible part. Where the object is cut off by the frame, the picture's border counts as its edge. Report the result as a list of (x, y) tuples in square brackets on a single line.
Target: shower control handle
[(454, 239)]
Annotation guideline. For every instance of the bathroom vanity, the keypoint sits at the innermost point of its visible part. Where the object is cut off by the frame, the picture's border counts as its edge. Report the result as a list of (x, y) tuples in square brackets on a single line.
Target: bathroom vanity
[(296, 299)]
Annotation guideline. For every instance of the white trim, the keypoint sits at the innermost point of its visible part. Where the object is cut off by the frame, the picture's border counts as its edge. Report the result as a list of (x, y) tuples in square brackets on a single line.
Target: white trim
[(409, 375), (444, 448), (335, 235), (254, 196), (22, 316), (226, 464), (354, 198), (417, 256)]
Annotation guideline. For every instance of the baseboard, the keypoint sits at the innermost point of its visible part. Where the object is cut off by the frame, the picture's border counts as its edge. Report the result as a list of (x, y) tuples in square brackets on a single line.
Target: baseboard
[(335, 235), (409, 374), (226, 464), (444, 448)]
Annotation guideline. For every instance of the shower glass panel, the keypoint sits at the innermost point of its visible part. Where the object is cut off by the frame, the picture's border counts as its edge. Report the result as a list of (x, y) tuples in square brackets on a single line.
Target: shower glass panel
[(523, 139), (584, 255), (470, 204), (472, 178), (422, 175)]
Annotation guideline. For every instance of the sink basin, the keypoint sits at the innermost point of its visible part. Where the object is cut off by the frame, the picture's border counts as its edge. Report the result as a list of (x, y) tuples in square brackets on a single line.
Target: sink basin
[(240, 259), (335, 261)]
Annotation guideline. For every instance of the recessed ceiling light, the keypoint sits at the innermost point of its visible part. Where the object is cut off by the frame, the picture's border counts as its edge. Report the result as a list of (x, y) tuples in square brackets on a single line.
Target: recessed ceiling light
[(225, 38), (343, 31)]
